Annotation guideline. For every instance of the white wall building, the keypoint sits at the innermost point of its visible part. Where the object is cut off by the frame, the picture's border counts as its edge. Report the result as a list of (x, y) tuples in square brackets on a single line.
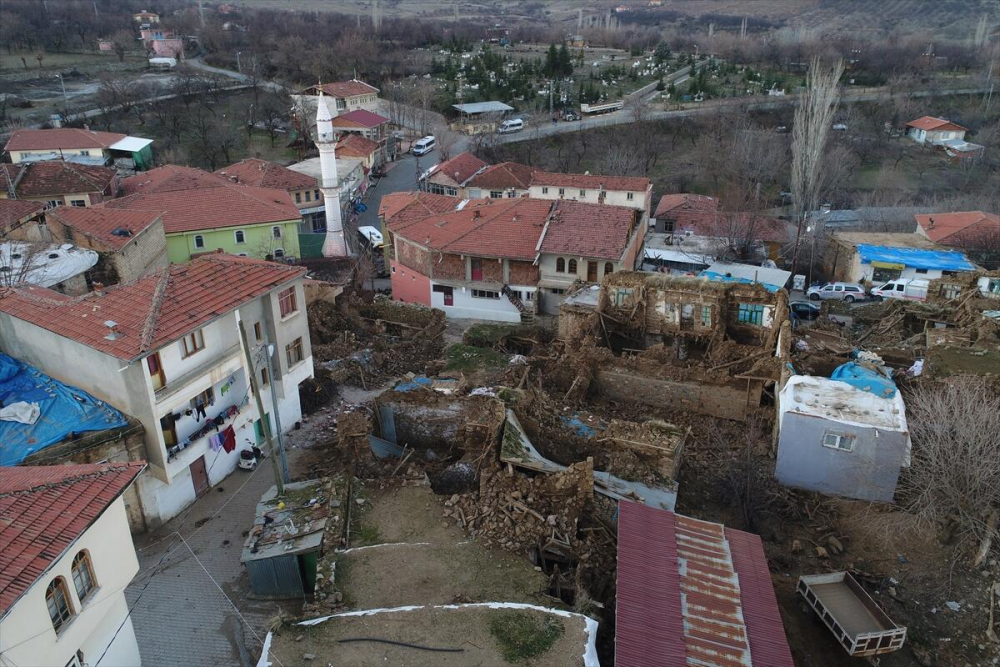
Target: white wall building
[(166, 350), (631, 191), (67, 557)]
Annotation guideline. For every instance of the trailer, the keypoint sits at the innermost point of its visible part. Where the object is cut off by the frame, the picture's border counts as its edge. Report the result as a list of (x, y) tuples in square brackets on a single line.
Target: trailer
[(607, 107), (855, 620)]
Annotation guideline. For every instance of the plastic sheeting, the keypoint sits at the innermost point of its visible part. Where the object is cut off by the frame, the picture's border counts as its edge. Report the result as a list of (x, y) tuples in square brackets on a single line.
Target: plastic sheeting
[(64, 410), (865, 379), (915, 258)]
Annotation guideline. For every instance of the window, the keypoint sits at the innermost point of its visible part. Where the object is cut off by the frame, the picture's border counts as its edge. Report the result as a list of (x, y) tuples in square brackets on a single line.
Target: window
[(308, 195), (562, 191), (258, 331), (265, 379), (276, 232), (240, 236), (316, 195), (572, 266), (293, 352), (921, 271), (203, 400), (621, 295), (52, 203), (57, 600), (199, 241), (79, 203), (76, 660), (496, 194), (583, 194), (706, 316), (84, 152), (630, 196), (436, 189), (287, 303), (298, 197), (994, 286), (485, 294), (278, 253), (475, 193), (511, 194), (560, 265), (609, 268), (950, 291), (192, 343), (751, 313), (545, 191), (529, 296), (83, 575), (841, 441)]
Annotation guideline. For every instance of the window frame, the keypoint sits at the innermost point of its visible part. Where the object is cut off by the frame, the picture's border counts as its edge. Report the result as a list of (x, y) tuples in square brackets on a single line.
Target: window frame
[(750, 313), (64, 616), (560, 265), (840, 439), (571, 266), (83, 564), (288, 303), (199, 241), (276, 232), (485, 294), (630, 196), (78, 203), (545, 191), (298, 197), (258, 331), (296, 347), (583, 194), (239, 237), (197, 343)]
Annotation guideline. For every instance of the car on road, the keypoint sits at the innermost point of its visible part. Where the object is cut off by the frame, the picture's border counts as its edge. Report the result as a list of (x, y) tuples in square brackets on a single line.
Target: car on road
[(848, 292), (804, 310), (424, 146), (510, 126)]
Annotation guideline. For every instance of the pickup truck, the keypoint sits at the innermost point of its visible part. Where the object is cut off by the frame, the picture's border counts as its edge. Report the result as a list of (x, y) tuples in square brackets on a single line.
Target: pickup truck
[(908, 289)]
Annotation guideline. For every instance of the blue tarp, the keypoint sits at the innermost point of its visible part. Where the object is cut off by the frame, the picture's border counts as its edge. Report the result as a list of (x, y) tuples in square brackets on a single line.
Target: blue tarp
[(711, 275), (915, 258), (865, 379), (64, 410)]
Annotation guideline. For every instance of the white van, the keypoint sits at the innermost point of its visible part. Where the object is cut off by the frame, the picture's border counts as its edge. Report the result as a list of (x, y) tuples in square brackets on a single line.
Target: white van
[(512, 125), (424, 146), (902, 288)]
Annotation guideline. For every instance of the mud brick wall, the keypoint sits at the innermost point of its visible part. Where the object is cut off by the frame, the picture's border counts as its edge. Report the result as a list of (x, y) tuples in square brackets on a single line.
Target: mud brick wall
[(413, 257), (523, 273), (723, 401), (448, 267)]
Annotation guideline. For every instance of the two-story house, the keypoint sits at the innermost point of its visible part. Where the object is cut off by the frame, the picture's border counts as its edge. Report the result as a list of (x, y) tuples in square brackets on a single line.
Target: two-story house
[(303, 189), (631, 191), (450, 177), (167, 350), (506, 259), (499, 181), (59, 183), (346, 96), (204, 212), (79, 145), (368, 124), (67, 557)]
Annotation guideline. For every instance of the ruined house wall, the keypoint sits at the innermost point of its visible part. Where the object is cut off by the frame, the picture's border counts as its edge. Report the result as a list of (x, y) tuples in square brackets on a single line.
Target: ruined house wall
[(727, 401), (576, 322)]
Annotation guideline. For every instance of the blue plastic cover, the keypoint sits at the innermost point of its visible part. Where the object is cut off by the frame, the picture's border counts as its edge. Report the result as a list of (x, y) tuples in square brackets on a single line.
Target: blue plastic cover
[(865, 379), (915, 258), (718, 277), (64, 410)]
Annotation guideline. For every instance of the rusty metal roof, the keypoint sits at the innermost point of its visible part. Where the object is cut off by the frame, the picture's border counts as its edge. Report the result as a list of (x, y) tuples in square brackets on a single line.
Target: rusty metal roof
[(691, 593)]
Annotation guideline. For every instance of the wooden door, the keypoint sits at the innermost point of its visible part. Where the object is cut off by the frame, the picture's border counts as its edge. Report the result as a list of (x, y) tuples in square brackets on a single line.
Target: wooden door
[(477, 269), (591, 272), (199, 477), (156, 370)]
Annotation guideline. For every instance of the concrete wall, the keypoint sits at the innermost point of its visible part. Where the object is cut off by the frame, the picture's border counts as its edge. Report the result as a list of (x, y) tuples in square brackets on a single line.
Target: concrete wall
[(26, 633), (259, 241), (409, 286), (640, 200), (729, 401), (466, 305), (146, 253), (869, 472), (18, 156)]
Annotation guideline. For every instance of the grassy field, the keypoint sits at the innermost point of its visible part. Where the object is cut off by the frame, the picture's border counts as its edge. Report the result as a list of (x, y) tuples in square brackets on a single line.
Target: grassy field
[(11, 63)]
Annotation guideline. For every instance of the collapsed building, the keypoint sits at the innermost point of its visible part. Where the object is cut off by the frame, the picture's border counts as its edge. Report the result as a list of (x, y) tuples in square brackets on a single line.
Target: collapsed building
[(694, 344)]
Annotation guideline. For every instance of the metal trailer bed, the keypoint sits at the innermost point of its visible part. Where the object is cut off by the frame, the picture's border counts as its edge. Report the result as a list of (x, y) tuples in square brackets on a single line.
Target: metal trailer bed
[(855, 620)]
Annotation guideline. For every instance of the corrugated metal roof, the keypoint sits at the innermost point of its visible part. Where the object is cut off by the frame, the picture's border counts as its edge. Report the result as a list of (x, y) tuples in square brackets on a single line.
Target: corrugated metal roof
[(692, 592), (482, 107)]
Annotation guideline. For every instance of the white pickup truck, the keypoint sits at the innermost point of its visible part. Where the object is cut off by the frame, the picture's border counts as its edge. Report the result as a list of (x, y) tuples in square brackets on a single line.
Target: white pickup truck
[(909, 289)]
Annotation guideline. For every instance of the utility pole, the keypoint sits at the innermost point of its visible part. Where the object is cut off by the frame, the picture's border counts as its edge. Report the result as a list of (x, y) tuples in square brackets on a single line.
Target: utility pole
[(278, 477), (268, 349), (96, 15), (239, 67)]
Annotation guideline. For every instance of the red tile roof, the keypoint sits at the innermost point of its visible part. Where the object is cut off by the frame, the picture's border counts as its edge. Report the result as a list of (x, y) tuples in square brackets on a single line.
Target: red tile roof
[(930, 123), (503, 176), (263, 174), (591, 181), (401, 208), (459, 169), (693, 592), (193, 200), (589, 230), (55, 177), (354, 145), (44, 510), (359, 118), (12, 211), (66, 138), (701, 216), (98, 223), (679, 204), (958, 227), (344, 88), (155, 310)]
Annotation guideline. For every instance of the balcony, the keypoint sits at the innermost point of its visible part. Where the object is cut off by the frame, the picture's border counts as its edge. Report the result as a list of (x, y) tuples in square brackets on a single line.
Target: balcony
[(217, 368)]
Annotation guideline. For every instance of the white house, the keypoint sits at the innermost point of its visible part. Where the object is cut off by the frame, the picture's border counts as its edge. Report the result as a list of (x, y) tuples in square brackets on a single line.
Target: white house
[(936, 131), (66, 558), (631, 191), (166, 349)]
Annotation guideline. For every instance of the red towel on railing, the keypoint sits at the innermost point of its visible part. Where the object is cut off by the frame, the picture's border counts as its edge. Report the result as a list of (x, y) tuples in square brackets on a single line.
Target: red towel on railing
[(229, 439)]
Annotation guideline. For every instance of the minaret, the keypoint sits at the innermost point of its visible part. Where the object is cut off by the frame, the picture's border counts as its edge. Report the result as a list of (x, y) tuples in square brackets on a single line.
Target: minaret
[(335, 245)]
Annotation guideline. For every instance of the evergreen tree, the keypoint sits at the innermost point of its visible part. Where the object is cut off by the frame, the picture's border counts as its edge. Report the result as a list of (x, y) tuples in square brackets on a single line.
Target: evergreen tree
[(565, 62), (552, 62)]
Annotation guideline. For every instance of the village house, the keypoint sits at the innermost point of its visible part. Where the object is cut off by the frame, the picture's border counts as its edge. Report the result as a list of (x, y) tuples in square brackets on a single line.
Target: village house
[(353, 145), (499, 181), (67, 559), (146, 17), (874, 257), (346, 96), (366, 123), (204, 212), (303, 189), (935, 131), (162, 43), (631, 191), (975, 232), (167, 350), (402, 208), (82, 146), (58, 183), (450, 177), (497, 259), (17, 213), (63, 268), (479, 117)]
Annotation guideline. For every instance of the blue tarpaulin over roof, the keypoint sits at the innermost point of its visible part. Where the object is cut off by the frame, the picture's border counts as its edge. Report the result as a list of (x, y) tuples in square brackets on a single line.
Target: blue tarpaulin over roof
[(64, 410), (915, 258), (865, 379)]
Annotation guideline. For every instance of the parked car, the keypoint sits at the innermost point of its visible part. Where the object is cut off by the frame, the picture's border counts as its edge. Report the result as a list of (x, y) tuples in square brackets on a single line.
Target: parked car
[(424, 146), (849, 292), (804, 310), (909, 289)]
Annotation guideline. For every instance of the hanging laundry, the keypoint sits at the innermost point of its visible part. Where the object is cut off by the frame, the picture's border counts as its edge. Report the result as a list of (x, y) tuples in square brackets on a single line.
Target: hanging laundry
[(228, 439), (215, 442)]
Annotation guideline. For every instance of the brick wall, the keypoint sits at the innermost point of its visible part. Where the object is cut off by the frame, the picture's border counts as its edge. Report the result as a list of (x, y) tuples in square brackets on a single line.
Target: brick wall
[(523, 273), (492, 270), (146, 253), (409, 286), (412, 256), (450, 267)]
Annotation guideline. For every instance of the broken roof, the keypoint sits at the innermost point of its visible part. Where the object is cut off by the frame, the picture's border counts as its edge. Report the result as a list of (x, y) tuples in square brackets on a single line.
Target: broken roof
[(460, 168), (155, 310), (591, 181), (473, 108), (401, 208), (13, 211), (66, 138), (46, 509), (692, 592), (939, 227), (915, 258), (263, 174), (111, 227), (931, 123), (57, 177), (842, 402), (772, 279), (280, 530)]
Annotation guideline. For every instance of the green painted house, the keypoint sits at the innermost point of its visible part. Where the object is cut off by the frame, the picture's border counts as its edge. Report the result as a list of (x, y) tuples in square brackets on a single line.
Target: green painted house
[(204, 212)]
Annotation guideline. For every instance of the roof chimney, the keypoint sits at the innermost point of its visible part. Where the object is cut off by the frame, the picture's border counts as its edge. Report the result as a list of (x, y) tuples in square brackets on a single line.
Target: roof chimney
[(476, 213), (114, 334), (930, 222)]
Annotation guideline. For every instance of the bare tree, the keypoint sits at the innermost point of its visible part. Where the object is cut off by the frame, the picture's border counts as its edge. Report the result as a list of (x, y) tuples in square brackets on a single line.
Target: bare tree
[(638, 107), (954, 479), (813, 118)]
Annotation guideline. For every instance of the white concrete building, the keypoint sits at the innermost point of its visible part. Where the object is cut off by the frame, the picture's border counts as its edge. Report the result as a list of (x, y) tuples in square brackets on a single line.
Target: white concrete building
[(67, 557), (631, 191), (166, 350)]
